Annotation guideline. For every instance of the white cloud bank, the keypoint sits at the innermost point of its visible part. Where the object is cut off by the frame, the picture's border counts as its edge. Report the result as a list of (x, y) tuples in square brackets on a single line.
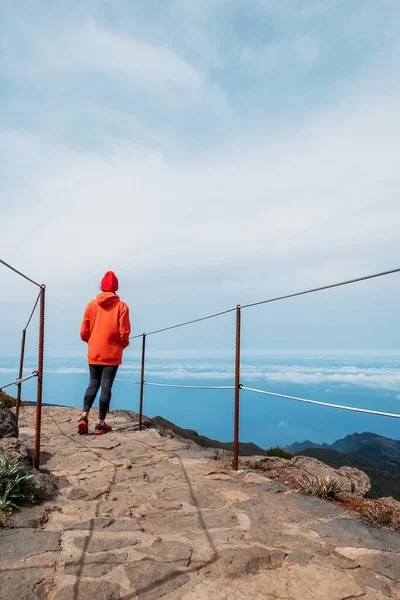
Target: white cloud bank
[(374, 378), (383, 378)]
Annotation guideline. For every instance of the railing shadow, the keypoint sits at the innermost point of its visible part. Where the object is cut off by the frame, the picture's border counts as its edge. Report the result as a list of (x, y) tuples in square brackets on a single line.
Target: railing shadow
[(203, 527), (82, 561)]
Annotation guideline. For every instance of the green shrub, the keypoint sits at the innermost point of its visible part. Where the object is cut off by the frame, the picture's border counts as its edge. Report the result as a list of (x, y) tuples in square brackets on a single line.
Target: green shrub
[(8, 400), (279, 452), (15, 486), (323, 488)]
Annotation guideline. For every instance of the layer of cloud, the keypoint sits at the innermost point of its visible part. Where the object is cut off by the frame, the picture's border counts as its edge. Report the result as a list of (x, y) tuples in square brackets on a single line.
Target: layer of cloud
[(370, 377), (379, 378), (331, 188)]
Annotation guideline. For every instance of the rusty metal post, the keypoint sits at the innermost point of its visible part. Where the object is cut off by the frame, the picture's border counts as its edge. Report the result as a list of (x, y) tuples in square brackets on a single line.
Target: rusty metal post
[(36, 451), (237, 389), (142, 382), (20, 372)]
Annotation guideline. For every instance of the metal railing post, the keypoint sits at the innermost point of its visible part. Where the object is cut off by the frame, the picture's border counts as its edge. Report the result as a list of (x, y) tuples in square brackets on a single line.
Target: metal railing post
[(142, 382), (36, 451), (237, 391), (20, 372)]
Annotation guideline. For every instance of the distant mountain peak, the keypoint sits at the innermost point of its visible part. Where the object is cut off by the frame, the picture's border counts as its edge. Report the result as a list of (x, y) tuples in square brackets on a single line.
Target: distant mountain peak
[(350, 443)]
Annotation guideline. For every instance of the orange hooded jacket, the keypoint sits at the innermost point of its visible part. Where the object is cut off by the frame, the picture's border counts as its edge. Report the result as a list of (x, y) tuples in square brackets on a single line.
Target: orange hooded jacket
[(106, 328)]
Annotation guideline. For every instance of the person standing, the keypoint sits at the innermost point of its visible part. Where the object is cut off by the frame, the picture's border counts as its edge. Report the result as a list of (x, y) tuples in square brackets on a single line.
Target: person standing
[(105, 328)]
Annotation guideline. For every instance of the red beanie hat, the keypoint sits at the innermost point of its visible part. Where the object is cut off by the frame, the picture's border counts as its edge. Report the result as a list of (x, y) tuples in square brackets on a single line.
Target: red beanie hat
[(109, 283)]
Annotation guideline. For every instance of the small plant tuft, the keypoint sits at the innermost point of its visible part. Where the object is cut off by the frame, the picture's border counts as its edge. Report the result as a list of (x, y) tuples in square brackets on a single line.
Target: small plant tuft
[(15, 487), (166, 432), (316, 486), (4, 520), (279, 452), (8, 400), (382, 514)]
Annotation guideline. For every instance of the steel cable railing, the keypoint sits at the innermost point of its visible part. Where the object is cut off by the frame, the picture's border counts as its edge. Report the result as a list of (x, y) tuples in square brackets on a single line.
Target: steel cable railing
[(22, 356), (18, 381), (237, 385), (306, 400), (276, 299), (33, 312), (264, 392), (217, 314), (19, 273), (39, 372), (173, 385), (324, 287)]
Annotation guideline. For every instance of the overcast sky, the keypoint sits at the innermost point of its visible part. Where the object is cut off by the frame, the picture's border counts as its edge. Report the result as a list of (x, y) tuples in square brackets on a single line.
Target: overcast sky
[(210, 152)]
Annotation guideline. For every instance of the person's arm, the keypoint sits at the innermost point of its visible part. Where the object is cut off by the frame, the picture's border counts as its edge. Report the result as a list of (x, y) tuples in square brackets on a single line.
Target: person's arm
[(124, 325), (85, 327)]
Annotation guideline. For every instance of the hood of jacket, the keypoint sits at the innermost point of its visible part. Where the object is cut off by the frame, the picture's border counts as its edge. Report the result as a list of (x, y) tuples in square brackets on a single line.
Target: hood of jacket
[(107, 299)]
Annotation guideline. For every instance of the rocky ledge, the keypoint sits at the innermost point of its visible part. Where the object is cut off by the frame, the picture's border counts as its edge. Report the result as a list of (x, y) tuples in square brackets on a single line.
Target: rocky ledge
[(139, 515)]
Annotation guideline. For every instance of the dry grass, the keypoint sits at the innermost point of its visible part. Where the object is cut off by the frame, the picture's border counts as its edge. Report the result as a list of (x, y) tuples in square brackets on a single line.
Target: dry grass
[(322, 488), (4, 519), (383, 513), (166, 432)]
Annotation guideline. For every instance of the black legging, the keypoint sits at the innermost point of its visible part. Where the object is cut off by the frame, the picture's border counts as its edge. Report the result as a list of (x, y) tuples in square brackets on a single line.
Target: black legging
[(100, 375)]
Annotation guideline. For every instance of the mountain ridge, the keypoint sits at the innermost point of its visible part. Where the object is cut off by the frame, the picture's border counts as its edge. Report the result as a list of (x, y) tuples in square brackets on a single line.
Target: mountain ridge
[(245, 448), (383, 452), (376, 455)]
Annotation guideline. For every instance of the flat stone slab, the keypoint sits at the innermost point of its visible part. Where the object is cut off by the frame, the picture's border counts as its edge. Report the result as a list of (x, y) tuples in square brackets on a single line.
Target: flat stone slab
[(82, 493), (94, 565), (95, 524), (25, 584), (238, 562), (369, 579), (22, 543), (353, 533), (309, 508), (299, 557), (125, 525), (177, 553), (32, 517), (168, 521), (101, 543), (384, 563), (203, 497), (89, 590), (272, 488), (152, 580), (312, 582), (104, 524)]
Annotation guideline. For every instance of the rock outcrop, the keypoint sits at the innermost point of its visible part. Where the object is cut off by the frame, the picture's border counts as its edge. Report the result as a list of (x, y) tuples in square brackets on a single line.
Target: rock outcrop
[(351, 480), (143, 516), (44, 484), (8, 423)]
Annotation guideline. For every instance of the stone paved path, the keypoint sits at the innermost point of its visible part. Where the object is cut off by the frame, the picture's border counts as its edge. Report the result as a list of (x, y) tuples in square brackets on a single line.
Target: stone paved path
[(144, 516)]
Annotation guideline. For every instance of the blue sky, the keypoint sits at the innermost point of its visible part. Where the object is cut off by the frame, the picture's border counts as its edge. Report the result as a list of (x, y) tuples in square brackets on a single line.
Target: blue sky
[(210, 152)]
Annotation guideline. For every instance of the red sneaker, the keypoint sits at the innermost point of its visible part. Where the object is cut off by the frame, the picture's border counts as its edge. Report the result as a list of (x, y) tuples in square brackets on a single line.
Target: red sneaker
[(83, 425), (102, 428)]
